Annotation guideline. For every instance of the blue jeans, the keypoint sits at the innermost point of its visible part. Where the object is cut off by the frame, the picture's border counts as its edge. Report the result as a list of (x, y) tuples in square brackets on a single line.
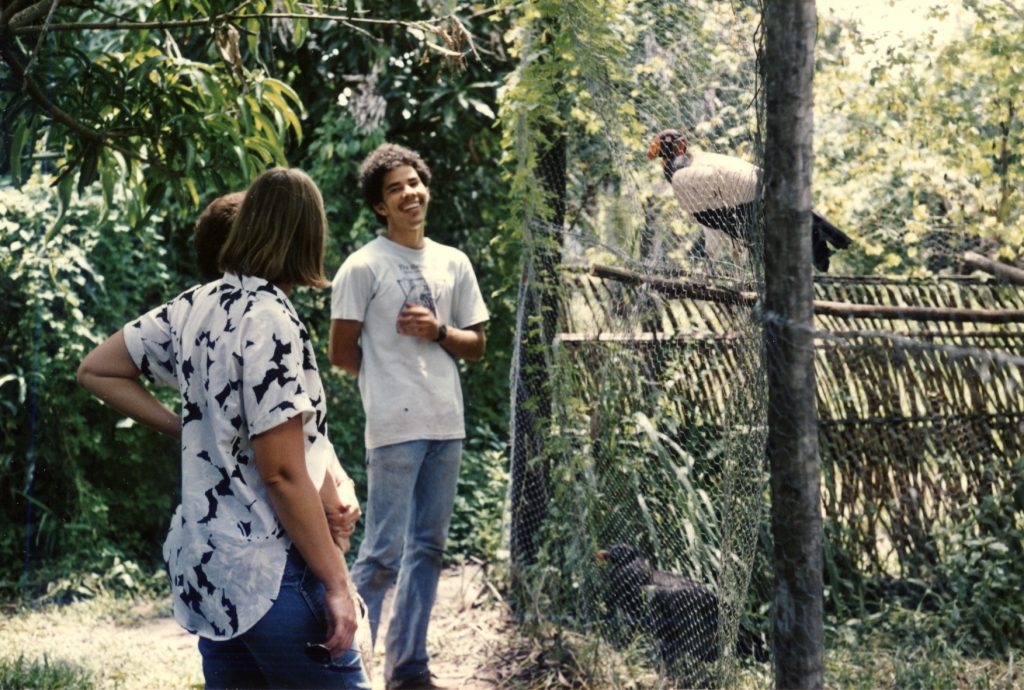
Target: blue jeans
[(272, 654), (408, 510)]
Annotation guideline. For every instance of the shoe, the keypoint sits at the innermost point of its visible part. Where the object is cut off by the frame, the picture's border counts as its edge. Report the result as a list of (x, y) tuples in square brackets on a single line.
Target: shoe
[(424, 681)]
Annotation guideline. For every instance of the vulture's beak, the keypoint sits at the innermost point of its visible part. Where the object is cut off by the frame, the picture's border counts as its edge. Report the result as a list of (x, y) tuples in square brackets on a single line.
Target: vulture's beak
[(654, 150), (602, 554)]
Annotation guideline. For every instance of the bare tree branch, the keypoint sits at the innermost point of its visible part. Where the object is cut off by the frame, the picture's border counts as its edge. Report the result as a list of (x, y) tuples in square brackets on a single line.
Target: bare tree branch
[(33, 12), (1013, 8), (42, 35), (9, 9), (427, 24)]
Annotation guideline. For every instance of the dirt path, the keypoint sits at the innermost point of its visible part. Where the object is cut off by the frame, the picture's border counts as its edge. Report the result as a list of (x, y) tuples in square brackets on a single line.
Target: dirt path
[(133, 646), (467, 626)]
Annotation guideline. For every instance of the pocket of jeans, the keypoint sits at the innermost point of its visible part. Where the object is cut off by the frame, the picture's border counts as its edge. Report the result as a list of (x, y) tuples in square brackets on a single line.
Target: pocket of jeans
[(349, 661), (312, 591)]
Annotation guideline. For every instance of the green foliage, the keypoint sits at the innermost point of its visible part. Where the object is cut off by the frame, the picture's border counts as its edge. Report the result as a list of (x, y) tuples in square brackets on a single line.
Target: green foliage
[(980, 572), (477, 522), (928, 159), (902, 648), (47, 674), (98, 574), (75, 477), (160, 113)]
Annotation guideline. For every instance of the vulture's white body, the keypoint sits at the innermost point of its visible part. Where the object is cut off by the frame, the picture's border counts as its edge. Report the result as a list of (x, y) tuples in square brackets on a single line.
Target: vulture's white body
[(707, 181), (710, 181)]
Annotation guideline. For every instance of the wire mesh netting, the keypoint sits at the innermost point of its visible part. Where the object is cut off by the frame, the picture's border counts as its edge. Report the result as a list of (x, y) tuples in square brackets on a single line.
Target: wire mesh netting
[(639, 486), (638, 478)]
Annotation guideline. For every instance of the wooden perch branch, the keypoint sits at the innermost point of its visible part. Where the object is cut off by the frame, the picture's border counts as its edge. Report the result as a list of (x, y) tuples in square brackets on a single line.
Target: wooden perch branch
[(1010, 274), (901, 313), (674, 288), (692, 290)]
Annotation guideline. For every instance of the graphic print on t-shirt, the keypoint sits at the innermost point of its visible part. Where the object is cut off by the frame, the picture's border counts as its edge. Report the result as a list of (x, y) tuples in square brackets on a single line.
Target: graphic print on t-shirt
[(416, 291)]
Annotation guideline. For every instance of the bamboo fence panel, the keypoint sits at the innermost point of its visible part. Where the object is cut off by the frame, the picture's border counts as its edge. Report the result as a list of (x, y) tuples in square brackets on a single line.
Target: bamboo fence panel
[(919, 417)]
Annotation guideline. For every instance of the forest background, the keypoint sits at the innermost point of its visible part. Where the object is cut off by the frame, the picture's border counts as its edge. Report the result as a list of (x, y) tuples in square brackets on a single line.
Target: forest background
[(114, 138)]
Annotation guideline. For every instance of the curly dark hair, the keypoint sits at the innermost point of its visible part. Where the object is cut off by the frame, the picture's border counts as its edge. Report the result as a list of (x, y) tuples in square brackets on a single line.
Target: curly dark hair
[(379, 163)]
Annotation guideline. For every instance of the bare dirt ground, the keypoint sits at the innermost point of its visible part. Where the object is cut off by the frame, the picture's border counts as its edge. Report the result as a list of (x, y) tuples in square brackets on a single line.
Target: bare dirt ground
[(137, 645), (467, 629)]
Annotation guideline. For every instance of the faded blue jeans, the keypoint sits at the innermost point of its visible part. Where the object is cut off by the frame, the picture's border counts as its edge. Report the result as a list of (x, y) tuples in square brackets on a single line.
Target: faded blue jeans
[(408, 510), (272, 654)]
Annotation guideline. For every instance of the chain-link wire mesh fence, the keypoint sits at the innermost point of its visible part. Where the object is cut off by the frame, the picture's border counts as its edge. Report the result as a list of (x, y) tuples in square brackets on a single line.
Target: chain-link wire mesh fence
[(639, 485)]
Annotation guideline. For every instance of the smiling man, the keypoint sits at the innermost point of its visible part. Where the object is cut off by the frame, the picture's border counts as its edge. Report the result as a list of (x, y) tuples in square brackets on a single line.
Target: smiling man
[(404, 309)]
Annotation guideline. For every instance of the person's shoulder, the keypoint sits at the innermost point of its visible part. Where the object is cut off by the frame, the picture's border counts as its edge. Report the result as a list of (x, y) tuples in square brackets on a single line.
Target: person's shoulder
[(365, 255), (185, 301), (372, 248), (447, 251), (189, 295)]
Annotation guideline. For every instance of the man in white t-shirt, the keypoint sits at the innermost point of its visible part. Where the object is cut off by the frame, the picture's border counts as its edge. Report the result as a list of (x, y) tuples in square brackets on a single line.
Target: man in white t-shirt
[(404, 308)]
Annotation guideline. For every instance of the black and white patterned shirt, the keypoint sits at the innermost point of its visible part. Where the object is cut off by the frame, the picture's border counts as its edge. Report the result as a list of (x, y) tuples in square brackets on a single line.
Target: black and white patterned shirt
[(243, 363)]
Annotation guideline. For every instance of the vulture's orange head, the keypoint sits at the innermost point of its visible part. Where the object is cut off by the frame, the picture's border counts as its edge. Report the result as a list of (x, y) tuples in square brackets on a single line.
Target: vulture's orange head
[(667, 145)]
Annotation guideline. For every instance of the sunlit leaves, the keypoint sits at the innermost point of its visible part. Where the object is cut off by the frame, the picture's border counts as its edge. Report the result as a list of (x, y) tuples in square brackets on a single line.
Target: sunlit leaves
[(192, 107), (937, 138)]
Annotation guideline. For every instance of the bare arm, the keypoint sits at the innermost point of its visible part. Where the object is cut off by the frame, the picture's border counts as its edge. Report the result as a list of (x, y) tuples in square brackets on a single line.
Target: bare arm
[(109, 373), (281, 461), (343, 346), (465, 343), (338, 495)]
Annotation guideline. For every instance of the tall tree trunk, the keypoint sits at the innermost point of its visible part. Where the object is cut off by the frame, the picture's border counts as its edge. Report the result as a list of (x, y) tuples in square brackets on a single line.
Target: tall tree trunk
[(792, 448)]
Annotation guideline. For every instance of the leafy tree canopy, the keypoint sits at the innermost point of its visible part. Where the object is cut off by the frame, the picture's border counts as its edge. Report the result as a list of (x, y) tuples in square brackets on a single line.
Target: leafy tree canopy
[(922, 156), (171, 97)]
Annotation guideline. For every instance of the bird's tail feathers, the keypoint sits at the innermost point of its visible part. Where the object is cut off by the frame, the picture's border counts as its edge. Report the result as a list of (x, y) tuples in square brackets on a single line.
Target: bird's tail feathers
[(830, 233)]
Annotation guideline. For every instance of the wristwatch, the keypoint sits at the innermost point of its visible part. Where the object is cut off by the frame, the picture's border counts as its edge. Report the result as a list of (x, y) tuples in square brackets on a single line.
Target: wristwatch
[(442, 333)]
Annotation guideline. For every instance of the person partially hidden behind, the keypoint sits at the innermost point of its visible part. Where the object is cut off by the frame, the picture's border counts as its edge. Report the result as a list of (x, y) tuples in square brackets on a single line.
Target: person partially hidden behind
[(253, 567), (403, 310), (211, 232)]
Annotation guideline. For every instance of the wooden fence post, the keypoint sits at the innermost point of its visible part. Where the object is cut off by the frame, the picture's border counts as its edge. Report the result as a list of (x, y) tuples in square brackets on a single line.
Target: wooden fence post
[(792, 448)]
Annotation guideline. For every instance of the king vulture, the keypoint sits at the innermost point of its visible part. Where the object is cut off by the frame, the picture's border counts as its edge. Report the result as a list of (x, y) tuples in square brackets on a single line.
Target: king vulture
[(720, 193)]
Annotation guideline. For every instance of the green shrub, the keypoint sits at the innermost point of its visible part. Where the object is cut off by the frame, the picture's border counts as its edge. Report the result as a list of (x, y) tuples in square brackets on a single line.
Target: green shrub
[(76, 478), (25, 674), (476, 528), (980, 573)]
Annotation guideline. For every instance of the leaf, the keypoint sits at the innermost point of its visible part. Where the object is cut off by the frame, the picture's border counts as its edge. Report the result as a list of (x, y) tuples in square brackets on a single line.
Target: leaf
[(89, 172), (17, 147), (286, 111), (155, 194), (64, 191), (243, 161), (190, 185), (264, 151), (252, 35), (482, 108)]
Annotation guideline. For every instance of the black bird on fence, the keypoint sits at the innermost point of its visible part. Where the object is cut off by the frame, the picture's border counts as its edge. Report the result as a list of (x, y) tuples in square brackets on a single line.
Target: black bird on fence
[(679, 614), (720, 193)]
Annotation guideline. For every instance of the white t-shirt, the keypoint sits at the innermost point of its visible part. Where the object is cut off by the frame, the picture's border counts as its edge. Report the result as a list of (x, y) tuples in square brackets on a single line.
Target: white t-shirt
[(243, 363), (410, 386)]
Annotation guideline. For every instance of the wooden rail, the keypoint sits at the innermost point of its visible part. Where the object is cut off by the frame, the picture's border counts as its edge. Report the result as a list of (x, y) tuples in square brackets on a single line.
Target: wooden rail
[(692, 290)]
